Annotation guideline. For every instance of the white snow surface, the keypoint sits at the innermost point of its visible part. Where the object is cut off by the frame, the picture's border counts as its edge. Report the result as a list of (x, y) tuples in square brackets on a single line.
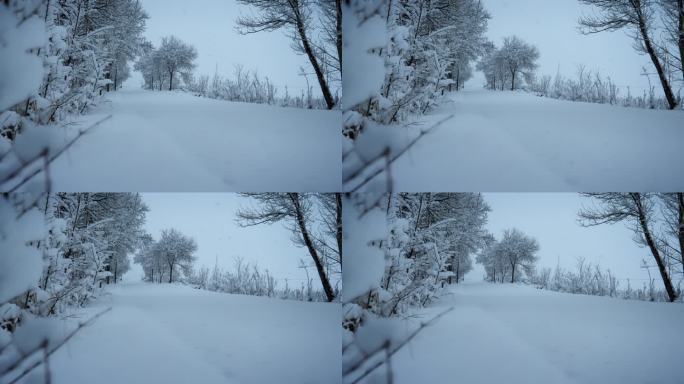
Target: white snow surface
[(518, 334), (174, 141), (176, 334), (21, 264), (20, 71), (364, 262), (519, 142), (363, 72)]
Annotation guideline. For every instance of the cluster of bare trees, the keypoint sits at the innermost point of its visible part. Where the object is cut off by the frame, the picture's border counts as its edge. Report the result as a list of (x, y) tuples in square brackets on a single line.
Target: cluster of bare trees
[(508, 66), (509, 258), (168, 257), (172, 62)]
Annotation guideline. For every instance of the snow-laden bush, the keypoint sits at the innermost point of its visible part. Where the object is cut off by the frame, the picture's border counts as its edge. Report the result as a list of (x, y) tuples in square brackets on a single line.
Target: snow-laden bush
[(57, 252), (401, 251), (249, 87), (592, 87), (249, 279), (591, 279), (411, 53), (54, 65)]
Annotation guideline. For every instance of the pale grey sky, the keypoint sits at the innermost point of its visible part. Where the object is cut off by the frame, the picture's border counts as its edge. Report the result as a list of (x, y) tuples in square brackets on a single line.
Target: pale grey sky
[(551, 25), (551, 218), (209, 218), (209, 25)]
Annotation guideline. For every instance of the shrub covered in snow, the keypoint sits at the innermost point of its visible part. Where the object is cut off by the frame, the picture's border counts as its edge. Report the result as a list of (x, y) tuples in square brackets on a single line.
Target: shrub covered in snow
[(401, 251), (58, 251)]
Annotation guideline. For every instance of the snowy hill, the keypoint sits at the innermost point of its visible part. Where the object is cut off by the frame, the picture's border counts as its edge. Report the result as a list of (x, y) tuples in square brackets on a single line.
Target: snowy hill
[(518, 142), (502, 333), (176, 334), (174, 141)]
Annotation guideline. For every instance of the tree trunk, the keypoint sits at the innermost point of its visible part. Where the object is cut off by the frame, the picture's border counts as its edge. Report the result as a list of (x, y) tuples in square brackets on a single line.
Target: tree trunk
[(458, 270), (330, 295), (458, 79), (512, 273), (313, 60), (513, 80), (652, 246), (170, 80), (680, 8), (170, 273), (338, 30), (671, 101), (338, 222), (680, 205)]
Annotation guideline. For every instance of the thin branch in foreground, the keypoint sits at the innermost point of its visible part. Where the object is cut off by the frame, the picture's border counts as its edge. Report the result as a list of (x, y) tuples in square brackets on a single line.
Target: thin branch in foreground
[(389, 158), (48, 159), (390, 351), (49, 351)]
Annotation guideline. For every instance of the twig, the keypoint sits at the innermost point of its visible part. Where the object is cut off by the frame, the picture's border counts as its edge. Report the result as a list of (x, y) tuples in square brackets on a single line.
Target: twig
[(48, 159), (49, 351), (390, 351), (389, 158)]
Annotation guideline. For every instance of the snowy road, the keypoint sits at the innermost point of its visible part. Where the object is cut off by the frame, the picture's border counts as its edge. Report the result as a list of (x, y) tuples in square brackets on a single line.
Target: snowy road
[(518, 334), (176, 334), (173, 141), (517, 142)]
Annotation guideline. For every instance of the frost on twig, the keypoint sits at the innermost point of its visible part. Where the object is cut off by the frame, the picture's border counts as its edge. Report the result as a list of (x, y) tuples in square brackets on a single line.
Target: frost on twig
[(374, 153), (374, 347), (29, 157), (33, 357)]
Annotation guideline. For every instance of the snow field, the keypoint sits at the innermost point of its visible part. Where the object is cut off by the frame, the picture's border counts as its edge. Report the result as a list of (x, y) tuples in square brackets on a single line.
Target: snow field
[(174, 141), (518, 142), (176, 334), (519, 334)]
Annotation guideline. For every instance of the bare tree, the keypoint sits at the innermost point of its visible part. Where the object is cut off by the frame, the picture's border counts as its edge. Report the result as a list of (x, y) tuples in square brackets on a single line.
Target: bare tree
[(176, 57), (518, 57), (637, 209), (674, 220), (674, 27), (637, 16), (176, 250), (513, 252), (331, 236), (295, 209), (295, 15)]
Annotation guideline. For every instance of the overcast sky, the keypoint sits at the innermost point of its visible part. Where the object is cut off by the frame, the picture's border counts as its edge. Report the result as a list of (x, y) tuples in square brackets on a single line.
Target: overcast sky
[(209, 25), (551, 218), (551, 25), (209, 218)]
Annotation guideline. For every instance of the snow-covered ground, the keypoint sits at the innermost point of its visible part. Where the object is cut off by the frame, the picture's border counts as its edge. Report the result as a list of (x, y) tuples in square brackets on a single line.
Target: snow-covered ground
[(503, 333), (176, 334), (518, 142), (174, 141)]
